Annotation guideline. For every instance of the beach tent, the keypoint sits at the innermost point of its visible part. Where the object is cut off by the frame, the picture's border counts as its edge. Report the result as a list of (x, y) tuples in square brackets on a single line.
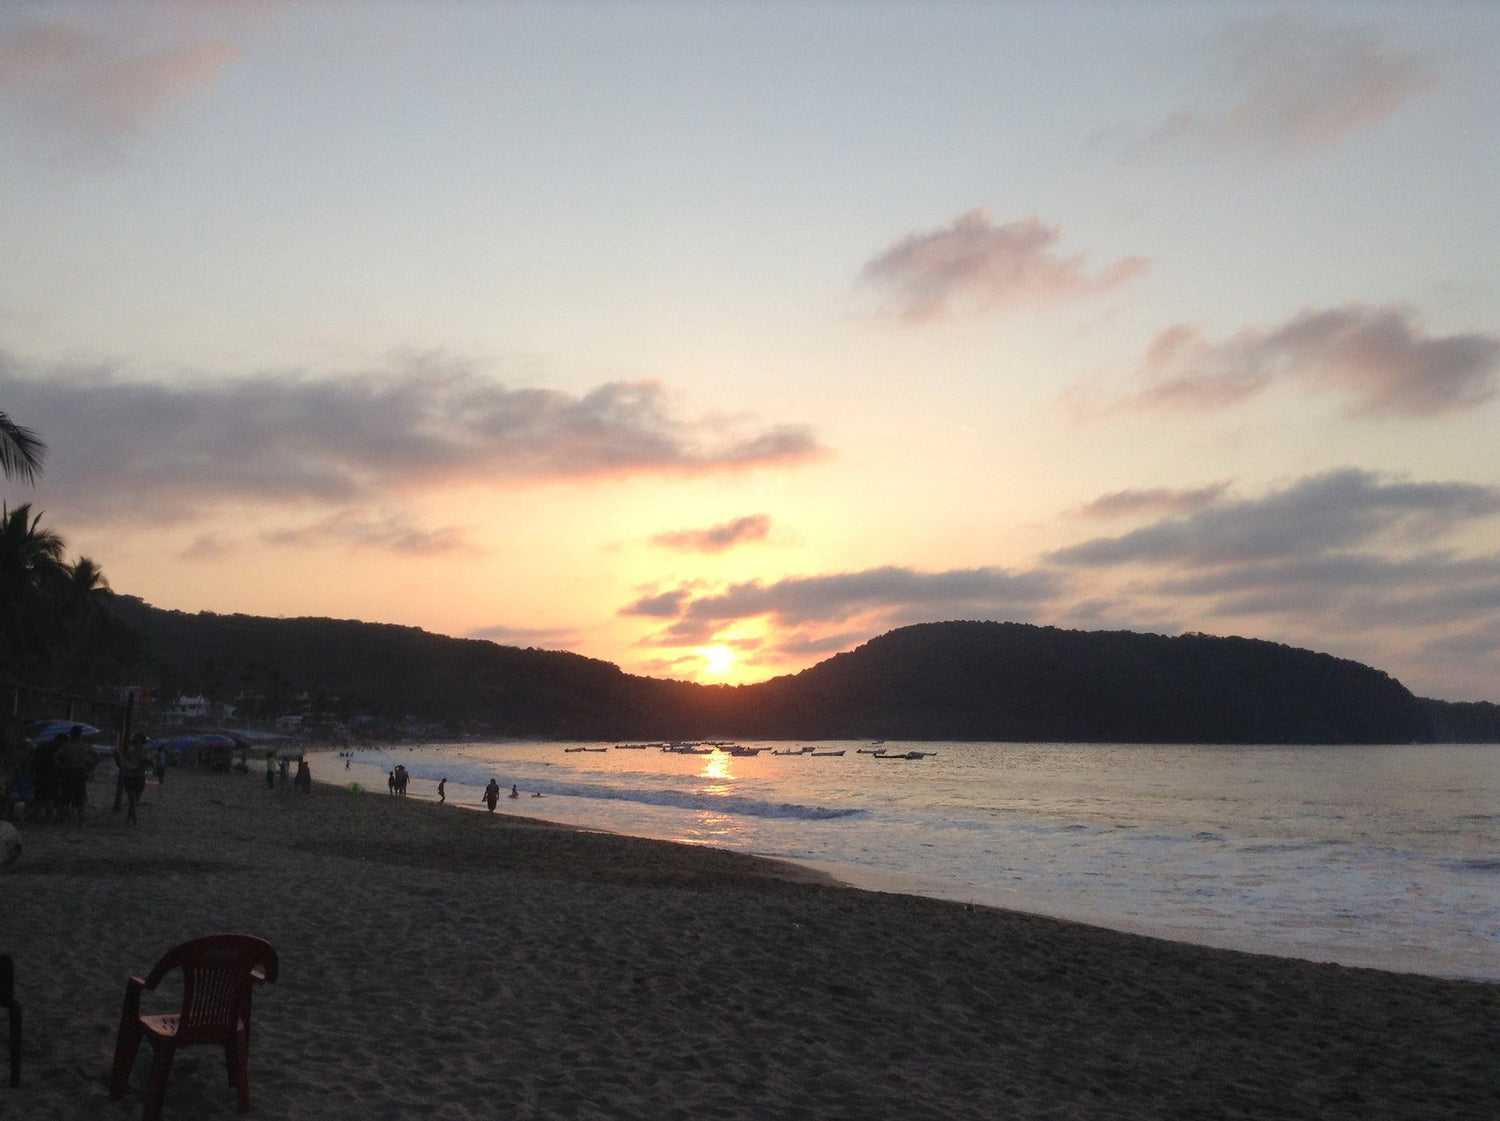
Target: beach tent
[(197, 747)]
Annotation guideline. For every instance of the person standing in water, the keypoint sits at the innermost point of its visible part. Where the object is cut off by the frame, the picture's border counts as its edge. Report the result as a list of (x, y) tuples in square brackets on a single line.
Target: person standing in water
[(492, 795)]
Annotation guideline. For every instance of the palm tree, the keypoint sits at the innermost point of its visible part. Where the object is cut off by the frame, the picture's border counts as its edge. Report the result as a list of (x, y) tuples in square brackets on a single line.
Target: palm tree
[(21, 450), (31, 571), (83, 632)]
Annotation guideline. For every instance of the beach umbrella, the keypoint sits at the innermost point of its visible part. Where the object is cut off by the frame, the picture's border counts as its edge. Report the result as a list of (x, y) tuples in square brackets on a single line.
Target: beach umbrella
[(41, 731)]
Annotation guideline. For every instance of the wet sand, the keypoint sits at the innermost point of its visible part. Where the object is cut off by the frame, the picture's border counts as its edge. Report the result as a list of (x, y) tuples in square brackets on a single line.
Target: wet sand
[(437, 963)]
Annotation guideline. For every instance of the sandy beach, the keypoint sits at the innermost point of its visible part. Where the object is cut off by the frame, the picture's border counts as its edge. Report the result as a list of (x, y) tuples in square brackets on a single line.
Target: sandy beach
[(446, 964)]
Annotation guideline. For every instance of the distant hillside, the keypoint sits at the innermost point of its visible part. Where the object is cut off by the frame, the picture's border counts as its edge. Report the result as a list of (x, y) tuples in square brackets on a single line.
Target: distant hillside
[(390, 672), (975, 681), (1008, 681)]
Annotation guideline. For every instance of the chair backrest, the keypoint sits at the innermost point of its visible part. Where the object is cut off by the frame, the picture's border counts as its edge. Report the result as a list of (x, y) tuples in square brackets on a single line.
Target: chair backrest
[(217, 972)]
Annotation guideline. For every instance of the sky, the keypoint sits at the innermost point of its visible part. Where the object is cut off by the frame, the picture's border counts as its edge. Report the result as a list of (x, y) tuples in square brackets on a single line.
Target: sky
[(714, 339)]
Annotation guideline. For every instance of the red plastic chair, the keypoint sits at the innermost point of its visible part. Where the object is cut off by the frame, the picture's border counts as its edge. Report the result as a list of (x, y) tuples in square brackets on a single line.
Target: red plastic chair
[(217, 975)]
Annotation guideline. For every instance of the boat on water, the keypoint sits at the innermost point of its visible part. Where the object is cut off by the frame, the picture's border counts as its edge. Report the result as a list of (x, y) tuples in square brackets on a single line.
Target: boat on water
[(826, 754), (688, 749), (742, 752), (902, 755), (573, 750)]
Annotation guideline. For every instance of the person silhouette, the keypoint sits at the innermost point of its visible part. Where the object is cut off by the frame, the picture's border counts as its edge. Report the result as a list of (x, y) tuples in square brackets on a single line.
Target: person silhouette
[(132, 765), (514, 793), (492, 795)]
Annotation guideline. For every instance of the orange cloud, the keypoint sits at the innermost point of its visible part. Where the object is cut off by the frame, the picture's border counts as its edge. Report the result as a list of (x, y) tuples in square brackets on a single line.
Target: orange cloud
[(718, 538)]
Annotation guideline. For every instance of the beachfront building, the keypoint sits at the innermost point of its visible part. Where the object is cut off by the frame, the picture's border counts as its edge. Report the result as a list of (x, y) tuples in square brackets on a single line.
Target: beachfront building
[(196, 710)]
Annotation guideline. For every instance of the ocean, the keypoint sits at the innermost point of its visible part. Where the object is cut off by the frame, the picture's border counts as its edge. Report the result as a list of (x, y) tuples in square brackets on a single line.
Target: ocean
[(1367, 856)]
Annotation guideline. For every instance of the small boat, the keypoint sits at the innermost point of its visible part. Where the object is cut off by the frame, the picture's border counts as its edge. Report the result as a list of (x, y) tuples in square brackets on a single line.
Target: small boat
[(572, 750), (632, 746), (743, 752), (826, 754), (904, 755)]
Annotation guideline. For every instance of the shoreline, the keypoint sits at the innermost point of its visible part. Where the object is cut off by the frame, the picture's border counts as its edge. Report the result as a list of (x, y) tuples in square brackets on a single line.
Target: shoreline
[(460, 965), (1474, 959)]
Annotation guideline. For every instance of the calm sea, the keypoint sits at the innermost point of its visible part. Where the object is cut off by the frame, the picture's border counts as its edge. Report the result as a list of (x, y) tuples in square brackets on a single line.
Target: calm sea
[(1379, 856)]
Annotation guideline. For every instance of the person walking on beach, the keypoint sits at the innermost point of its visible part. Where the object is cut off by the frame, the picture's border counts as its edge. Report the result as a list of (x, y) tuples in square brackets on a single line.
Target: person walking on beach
[(132, 765), (270, 770), (74, 760), (161, 766), (442, 784), (492, 795), (303, 780)]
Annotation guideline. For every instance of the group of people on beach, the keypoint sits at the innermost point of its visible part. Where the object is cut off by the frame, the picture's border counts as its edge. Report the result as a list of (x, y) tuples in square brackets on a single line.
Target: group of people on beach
[(279, 773), (491, 794), (396, 780), (50, 779)]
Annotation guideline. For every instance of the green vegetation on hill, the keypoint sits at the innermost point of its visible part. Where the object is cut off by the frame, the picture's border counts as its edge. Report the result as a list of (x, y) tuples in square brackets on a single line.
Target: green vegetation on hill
[(957, 680)]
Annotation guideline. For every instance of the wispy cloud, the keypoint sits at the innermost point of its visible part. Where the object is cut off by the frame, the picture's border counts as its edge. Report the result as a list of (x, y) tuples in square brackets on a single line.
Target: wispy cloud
[(1378, 359), (1337, 510), (1155, 501), (546, 638), (875, 598), (716, 538), (658, 605), (67, 75), (388, 532), (346, 442), (975, 265), (1381, 569), (1290, 83)]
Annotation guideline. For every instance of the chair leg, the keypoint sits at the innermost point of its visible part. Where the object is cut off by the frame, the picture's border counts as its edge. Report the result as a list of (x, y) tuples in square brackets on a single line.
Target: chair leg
[(161, 1071), (127, 1043), (15, 1044), (241, 1074)]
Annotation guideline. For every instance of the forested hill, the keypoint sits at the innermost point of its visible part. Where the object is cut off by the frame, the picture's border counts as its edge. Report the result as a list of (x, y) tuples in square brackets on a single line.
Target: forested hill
[(959, 680)]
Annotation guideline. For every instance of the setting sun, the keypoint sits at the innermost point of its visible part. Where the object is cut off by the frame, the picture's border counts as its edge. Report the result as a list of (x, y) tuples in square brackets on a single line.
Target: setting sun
[(719, 659)]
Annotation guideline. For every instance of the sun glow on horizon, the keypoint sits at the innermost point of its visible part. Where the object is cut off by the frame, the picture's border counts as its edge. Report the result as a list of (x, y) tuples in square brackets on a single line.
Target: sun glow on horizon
[(719, 660)]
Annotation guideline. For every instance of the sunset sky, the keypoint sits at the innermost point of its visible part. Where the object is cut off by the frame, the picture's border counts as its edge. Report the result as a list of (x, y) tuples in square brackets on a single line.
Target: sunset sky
[(713, 339)]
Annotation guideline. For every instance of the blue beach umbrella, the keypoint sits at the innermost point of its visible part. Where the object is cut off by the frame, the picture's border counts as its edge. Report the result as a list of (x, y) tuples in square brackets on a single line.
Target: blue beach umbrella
[(192, 745), (42, 731)]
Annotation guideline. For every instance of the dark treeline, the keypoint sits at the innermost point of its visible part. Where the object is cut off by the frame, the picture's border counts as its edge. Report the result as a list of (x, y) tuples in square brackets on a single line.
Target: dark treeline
[(972, 681)]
